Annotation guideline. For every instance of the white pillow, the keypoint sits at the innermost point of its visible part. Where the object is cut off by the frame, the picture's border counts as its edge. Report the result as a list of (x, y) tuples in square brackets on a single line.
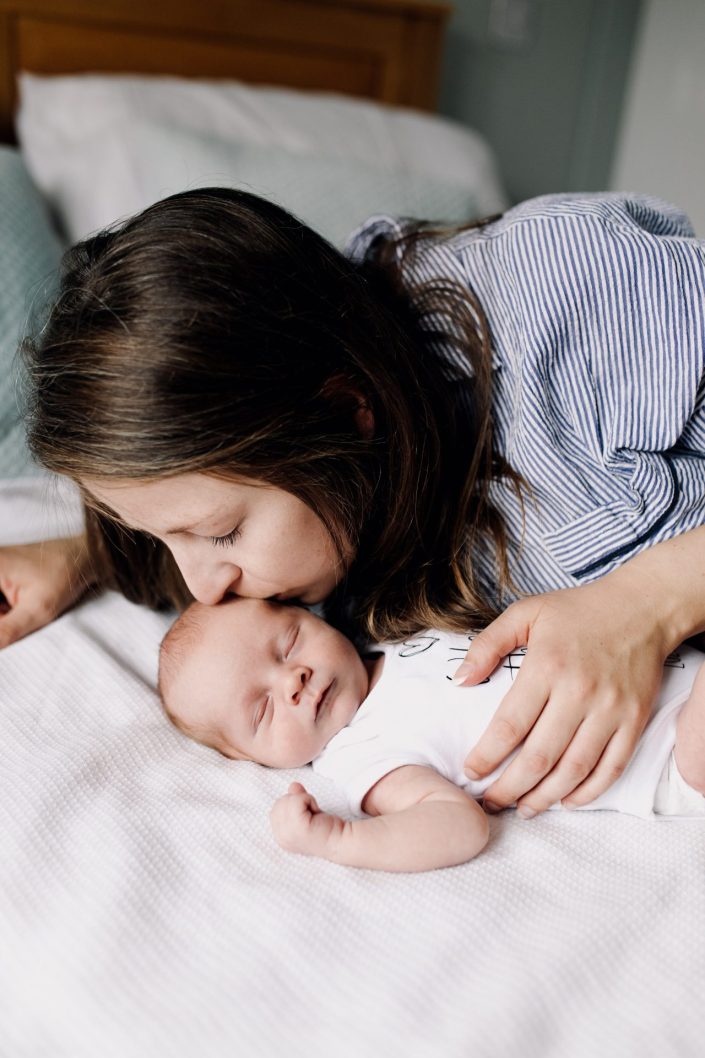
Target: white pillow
[(78, 136), (133, 166)]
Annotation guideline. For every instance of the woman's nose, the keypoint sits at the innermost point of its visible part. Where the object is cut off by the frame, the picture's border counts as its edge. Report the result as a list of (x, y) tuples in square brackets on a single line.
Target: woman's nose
[(208, 582)]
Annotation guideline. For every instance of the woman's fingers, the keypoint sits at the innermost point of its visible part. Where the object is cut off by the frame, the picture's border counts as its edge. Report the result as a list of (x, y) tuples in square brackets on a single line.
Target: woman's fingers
[(579, 703), (612, 763), (582, 755), (541, 752), (507, 632), (594, 758), (515, 717)]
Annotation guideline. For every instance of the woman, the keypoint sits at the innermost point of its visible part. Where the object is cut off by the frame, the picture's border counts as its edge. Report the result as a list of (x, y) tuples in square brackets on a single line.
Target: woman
[(419, 435)]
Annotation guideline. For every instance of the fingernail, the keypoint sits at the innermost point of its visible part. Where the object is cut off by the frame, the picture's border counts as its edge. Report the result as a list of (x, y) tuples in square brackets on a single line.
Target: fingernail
[(470, 774), (569, 805), (491, 807), (461, 675), (525, 812)]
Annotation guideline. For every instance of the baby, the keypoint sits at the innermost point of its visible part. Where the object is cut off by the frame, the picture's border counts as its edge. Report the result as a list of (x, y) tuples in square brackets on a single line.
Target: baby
[(271, 683)]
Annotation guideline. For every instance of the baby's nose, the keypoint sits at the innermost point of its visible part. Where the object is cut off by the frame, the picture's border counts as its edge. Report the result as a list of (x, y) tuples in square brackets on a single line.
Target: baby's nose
[(296, 683)]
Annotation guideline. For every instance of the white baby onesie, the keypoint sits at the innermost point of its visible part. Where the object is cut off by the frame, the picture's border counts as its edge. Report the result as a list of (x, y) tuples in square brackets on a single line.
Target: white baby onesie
[(416, 715)]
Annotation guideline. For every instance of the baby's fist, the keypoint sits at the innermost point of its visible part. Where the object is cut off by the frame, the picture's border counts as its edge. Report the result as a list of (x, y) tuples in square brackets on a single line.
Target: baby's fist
[(291, 817), (298, 823)]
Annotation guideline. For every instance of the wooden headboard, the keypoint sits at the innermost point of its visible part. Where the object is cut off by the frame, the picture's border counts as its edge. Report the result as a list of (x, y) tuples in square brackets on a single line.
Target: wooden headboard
[(389, 50)]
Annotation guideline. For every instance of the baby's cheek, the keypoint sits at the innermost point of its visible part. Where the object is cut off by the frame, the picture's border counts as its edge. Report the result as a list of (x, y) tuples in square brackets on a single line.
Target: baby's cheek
[(293, 749)]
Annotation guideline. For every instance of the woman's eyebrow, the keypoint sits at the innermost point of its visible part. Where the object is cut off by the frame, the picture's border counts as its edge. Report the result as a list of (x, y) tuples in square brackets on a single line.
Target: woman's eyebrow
[(222, 514), (189, 528), (180, 529)]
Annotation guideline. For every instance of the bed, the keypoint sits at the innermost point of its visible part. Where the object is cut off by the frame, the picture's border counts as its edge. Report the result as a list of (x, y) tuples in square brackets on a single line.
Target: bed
[(145, 909)]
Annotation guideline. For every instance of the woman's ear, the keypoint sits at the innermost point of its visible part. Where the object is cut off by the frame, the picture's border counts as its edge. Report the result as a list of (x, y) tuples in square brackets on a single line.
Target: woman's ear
[(365, 420), (339, 391)]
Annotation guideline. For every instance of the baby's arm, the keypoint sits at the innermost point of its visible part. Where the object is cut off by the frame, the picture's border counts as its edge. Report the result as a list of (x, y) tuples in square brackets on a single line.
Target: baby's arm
[(421, 821)]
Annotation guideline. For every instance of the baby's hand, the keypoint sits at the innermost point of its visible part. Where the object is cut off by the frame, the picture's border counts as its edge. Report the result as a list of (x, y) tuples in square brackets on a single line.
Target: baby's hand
[(299, 825)]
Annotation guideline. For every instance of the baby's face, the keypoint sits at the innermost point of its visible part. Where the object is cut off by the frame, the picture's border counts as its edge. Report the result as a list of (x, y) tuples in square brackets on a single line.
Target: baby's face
[(271, 683)]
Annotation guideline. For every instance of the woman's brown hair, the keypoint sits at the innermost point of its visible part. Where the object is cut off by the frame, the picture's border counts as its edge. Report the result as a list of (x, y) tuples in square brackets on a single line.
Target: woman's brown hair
[(214, 332)]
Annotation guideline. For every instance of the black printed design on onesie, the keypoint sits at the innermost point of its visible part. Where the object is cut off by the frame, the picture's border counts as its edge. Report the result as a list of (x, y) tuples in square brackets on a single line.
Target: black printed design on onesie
[(411, 648)]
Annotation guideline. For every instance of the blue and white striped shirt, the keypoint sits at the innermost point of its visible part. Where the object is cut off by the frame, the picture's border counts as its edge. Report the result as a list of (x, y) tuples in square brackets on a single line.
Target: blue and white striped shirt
[(596, 309)]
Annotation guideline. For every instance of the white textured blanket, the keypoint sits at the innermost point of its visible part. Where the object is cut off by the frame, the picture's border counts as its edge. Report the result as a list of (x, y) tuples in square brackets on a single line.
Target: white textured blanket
[(145, 910)]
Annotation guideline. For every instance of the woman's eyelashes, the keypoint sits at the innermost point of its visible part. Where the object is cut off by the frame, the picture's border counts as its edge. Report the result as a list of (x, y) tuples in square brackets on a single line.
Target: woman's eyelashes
[(228, 540)]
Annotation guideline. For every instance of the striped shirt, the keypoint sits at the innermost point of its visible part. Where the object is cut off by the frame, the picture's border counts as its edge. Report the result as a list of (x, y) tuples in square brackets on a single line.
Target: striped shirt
[(596, 310)]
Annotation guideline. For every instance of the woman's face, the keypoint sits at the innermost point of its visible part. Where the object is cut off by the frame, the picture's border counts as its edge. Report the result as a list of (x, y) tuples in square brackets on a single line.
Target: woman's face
[(230, 537)]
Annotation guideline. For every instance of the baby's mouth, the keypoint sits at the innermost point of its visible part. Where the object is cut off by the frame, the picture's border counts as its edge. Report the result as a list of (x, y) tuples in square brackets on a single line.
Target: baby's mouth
[(324, 699)]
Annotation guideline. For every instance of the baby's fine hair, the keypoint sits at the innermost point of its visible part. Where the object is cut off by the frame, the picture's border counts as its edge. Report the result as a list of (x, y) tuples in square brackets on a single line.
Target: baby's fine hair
[(184, 634)]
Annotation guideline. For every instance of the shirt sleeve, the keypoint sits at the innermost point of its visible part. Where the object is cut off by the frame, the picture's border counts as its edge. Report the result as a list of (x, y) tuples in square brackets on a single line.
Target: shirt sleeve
[(619, 343), (596, 305)]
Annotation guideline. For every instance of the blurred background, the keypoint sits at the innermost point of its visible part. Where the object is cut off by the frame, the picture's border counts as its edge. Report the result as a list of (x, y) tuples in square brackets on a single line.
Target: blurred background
[(578, 95)]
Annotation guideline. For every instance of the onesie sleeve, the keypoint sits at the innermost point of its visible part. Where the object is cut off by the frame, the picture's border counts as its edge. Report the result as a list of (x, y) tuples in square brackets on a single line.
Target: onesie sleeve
[(613, 314), (356, 767)]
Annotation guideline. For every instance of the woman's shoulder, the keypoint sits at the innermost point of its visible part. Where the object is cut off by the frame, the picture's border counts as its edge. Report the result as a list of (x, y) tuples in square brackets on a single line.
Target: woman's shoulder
[(623, 210), (595, 216)]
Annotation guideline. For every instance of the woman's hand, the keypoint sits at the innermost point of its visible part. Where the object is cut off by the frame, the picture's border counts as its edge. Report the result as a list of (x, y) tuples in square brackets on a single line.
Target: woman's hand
[(38, 582), (582, 697)]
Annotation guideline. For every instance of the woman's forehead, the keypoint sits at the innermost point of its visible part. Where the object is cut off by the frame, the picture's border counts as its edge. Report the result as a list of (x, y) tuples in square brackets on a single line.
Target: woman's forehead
[(182, 503)]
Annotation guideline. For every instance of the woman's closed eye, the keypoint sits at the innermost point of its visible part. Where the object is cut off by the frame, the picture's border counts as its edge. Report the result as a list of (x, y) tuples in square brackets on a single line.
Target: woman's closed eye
[(228, 540)]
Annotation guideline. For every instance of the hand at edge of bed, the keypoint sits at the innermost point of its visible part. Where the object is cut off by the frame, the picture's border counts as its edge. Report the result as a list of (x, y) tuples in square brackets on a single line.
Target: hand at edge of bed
[(38, 582)]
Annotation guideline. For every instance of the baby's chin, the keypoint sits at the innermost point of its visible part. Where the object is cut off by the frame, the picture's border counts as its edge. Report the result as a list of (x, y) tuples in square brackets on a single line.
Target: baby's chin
[(300, 760)]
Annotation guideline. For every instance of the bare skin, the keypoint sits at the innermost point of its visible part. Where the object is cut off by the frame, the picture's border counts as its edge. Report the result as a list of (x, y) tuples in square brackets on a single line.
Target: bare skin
[(231, 537), (40, 581), (419, 822)]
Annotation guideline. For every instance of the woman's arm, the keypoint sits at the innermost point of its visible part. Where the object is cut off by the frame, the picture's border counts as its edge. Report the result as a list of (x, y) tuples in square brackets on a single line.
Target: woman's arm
[(39, 581), (593, 666), (420, 821)]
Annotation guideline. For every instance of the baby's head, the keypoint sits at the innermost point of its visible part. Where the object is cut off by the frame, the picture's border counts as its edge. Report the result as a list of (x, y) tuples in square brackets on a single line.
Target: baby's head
[(260, 681)]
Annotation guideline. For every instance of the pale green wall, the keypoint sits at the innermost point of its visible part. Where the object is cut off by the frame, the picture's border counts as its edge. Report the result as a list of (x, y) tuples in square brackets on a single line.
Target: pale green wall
[(550, 107), (661, 147)]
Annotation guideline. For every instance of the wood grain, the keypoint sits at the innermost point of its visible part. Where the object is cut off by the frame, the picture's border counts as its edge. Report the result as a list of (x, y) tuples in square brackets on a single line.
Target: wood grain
[(388, 50)]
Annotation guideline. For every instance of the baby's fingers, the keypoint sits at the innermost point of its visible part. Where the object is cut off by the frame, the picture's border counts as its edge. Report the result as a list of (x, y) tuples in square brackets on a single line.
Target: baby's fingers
[(307, 801)]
